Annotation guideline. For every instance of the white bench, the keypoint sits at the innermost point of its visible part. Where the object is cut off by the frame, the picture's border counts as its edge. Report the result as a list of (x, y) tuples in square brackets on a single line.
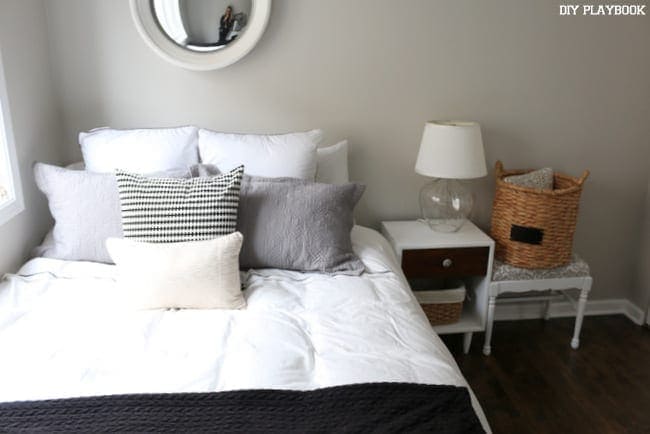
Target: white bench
[(509, 279)]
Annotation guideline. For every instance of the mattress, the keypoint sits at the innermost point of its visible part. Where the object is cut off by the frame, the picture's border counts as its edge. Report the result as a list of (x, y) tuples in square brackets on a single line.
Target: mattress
[(64, 332)]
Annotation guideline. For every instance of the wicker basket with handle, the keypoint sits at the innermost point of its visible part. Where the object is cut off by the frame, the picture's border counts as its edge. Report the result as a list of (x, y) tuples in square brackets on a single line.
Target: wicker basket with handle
[(534, 228)]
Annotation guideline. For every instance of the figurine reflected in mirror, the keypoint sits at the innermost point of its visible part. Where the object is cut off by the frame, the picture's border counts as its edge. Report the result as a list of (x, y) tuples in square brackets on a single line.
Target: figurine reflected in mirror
[(225, 26)]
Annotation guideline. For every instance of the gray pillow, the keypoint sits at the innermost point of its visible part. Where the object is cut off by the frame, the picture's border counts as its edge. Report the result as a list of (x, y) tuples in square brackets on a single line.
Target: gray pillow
[(541, 179), (295, 224), (86, 210)]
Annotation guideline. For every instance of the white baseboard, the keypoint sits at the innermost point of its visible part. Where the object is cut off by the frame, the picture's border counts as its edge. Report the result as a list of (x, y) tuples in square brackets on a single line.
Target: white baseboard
[(522, 310), (634, 312)]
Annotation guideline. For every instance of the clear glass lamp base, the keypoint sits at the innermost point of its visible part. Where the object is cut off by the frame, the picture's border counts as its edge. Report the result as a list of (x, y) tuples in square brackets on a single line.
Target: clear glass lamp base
[(445, 204)]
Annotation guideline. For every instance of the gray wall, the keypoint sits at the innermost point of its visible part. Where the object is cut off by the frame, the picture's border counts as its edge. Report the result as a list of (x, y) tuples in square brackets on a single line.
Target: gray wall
[(37, 127), (643, 288), (566, 92)]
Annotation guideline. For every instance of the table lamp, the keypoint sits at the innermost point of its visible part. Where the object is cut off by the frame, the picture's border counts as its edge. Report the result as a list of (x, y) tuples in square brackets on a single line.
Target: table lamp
[(450, 152)]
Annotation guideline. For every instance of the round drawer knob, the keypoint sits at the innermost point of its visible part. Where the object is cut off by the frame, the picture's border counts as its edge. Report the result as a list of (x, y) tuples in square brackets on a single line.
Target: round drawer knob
[(447, 263)]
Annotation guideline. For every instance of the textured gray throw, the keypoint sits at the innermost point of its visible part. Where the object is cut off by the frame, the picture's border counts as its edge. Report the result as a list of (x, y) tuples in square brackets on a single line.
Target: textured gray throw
[(359, 408)]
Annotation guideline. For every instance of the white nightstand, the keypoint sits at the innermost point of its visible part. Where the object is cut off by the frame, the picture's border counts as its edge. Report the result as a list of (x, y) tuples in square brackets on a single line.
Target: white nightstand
[(466, 254)]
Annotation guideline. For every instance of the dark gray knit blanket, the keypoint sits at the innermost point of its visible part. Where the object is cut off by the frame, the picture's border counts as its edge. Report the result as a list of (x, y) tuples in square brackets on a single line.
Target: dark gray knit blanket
[(358, 408)]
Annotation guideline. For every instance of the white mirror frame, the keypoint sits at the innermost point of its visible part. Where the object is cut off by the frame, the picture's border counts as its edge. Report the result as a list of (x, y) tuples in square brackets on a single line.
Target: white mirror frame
[(147, 25)]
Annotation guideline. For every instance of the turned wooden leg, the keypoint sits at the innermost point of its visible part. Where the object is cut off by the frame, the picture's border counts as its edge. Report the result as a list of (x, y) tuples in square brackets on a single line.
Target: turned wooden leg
[(582, 303), (467, 342), (488, 327)]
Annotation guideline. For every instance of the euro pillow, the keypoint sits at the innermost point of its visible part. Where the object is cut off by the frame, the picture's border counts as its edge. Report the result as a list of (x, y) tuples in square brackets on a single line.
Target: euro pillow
[(294, 224), (290, 155), (86, 211), (332, 164), (298, 225), (139, 150), (166, 210), (198, 275)]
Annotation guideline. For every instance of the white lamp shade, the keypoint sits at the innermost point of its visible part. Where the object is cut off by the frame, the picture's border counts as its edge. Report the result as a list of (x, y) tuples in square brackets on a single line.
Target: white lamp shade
[(451, 149)]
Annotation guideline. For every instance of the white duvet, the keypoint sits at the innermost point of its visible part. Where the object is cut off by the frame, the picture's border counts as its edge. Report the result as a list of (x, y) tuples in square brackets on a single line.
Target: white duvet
[(64, 333)]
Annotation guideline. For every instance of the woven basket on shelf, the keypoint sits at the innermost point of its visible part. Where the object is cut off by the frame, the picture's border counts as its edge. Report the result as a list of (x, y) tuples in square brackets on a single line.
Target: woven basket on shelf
[(444, 313), (443, 306), (534, 228)]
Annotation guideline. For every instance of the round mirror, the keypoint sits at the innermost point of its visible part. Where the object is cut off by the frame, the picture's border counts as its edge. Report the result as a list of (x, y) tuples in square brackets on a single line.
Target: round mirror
[(201, 34)]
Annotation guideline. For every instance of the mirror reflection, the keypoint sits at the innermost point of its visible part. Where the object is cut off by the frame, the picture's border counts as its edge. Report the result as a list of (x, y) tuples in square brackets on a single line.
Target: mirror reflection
[(202, 25)]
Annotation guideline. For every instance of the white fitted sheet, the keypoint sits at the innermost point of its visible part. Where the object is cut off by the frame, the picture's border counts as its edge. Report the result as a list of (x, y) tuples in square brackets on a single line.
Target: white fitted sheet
[(63, 333)]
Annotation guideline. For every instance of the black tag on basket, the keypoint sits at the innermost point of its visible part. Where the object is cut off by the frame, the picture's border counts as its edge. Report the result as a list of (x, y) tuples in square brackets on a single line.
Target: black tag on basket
[(526, 235)]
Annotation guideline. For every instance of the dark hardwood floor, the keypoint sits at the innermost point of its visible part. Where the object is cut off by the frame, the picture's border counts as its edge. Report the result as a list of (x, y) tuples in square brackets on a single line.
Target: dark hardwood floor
[(533, 382)]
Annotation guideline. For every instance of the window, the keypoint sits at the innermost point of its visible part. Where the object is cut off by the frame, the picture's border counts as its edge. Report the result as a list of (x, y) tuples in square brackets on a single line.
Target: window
[(11, 199)]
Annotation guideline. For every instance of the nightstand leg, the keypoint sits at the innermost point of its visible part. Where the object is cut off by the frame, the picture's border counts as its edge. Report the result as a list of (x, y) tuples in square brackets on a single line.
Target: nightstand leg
[(582, 303), (467, 342), (488, 327)]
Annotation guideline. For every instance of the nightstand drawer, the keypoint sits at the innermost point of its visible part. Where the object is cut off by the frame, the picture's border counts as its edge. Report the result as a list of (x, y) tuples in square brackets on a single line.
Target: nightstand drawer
[(470, 261)]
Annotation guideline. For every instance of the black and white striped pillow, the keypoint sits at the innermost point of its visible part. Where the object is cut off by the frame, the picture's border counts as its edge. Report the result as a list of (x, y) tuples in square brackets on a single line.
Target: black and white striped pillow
[(170, 210)]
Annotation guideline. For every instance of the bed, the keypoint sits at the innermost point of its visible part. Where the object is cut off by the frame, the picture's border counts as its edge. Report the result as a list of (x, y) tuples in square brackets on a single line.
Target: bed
[(64, 334), (319, 333)]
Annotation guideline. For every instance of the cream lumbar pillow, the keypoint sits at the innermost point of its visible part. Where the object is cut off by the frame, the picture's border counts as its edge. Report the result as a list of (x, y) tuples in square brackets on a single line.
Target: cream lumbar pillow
[(197, 274)]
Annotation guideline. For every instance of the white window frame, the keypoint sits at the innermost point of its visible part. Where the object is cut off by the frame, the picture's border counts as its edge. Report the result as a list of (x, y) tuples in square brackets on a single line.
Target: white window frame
[(15, 205)]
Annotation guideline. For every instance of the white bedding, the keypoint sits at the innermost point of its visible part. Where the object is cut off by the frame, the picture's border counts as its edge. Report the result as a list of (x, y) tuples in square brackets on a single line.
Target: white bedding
[(64, 334)]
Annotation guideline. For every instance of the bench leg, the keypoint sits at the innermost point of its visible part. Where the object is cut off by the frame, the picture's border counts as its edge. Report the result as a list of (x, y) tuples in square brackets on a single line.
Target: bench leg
[(584, 293), (488, 327), (547, 311)]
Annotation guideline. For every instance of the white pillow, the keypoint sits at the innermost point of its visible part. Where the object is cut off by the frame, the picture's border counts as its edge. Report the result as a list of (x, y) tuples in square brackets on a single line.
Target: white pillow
[(332, 164), (290, 155), (197, 274), (141, 150)]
